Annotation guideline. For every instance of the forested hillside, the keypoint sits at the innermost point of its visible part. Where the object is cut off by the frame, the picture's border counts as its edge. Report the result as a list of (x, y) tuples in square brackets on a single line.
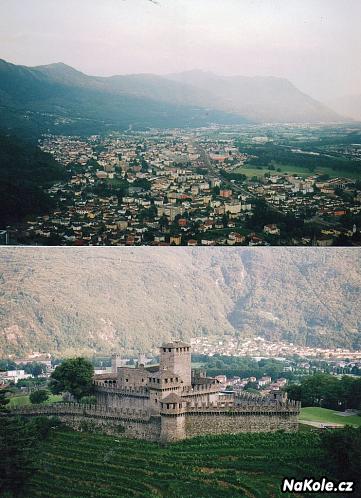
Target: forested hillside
[(24, 170), (104, 299)]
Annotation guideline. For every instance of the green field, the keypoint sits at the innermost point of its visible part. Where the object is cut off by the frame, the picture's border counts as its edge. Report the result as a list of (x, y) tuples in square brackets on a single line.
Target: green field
[(24, 400), (322, 415), (296, 170), (247, 465)]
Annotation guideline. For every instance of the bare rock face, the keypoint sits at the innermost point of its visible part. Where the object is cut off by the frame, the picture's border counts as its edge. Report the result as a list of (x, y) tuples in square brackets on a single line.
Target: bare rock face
[(71, 301)]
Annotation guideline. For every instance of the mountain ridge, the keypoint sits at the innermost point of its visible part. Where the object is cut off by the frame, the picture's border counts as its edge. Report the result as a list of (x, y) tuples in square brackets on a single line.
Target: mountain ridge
[(57, 97), (348, 105)]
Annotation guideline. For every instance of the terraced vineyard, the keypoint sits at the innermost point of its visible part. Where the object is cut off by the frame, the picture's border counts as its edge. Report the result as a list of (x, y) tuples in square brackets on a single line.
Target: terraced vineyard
[(249, 465)]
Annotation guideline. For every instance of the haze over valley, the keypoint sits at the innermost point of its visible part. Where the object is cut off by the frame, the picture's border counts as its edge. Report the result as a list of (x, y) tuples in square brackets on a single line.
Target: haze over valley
[(57, 97)]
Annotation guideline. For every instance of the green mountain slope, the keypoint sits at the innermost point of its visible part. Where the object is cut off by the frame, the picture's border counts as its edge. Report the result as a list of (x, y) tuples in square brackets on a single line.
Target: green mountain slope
[(24, 169), (60, 99)]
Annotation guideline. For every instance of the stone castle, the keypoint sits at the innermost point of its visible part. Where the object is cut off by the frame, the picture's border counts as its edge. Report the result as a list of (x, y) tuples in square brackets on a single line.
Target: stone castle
[(175, 402), (170, 402)]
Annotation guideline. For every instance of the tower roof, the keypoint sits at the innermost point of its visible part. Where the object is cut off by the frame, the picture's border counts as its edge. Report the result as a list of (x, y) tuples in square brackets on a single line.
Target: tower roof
[(172, 398)]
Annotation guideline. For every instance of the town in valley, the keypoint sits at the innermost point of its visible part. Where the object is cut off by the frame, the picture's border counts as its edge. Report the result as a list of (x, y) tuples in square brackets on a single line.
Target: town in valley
[(252, 185), (294, 362)]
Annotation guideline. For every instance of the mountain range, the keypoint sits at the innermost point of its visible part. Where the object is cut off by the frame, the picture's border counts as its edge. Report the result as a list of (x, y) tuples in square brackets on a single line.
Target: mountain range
[(58, 98), (348, 105), (70, 300)]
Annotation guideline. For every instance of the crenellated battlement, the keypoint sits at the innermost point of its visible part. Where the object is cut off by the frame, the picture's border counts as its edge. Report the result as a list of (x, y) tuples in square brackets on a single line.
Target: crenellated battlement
[(201, 388), (125, 391), (57, 409), (229, 407)]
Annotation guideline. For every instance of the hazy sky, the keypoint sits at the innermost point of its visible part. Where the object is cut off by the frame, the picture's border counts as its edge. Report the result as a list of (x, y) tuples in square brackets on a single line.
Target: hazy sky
[(314, 43)]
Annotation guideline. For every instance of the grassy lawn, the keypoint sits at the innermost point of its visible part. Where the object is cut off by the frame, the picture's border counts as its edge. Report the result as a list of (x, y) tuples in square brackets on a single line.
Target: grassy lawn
[(83, 465), (291, 170), (323, 415), (24, 400), (306, 428)]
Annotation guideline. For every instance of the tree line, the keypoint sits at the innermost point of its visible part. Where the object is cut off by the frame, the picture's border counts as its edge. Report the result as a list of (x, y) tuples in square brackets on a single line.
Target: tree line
[(328, 391)]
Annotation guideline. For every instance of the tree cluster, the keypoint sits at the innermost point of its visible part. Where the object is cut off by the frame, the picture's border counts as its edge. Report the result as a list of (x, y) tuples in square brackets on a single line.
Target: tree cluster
[(242, 367), (328, 391), (24, 170), (74, 376), (19, 439)]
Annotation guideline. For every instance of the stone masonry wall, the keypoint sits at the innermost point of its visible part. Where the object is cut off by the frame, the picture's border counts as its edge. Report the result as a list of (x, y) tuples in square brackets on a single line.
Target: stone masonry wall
[(210, 423), (89, 418), (134, 429), (172, 428), (167, 427)]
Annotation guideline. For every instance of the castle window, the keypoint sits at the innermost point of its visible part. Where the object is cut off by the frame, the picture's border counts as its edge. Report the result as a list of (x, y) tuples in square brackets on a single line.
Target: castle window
[(126, 380), (180, 405), (177, 350), (164, 350), (176, 379), (156, 401), (168, 405), (158, 381), (170, 350), (166, 381), (171, 379)]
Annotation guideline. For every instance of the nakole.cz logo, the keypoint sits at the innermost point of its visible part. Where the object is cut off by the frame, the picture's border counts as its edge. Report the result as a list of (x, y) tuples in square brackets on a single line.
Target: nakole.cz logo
[(311, 485)]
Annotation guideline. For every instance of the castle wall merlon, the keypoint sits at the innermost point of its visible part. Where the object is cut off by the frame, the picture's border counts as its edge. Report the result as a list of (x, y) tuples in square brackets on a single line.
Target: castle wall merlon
[(125, 391)]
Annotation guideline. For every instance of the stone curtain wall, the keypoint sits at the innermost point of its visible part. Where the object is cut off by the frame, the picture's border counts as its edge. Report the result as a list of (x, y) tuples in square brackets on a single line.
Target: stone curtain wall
[(135, 429), (198, 424), (195, 421), (127, 423), (115, 398)]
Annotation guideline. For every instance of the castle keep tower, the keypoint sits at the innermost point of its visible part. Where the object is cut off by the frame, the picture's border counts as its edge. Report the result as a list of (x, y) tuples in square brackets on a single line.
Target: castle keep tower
[(176, 357), (116, 362)]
